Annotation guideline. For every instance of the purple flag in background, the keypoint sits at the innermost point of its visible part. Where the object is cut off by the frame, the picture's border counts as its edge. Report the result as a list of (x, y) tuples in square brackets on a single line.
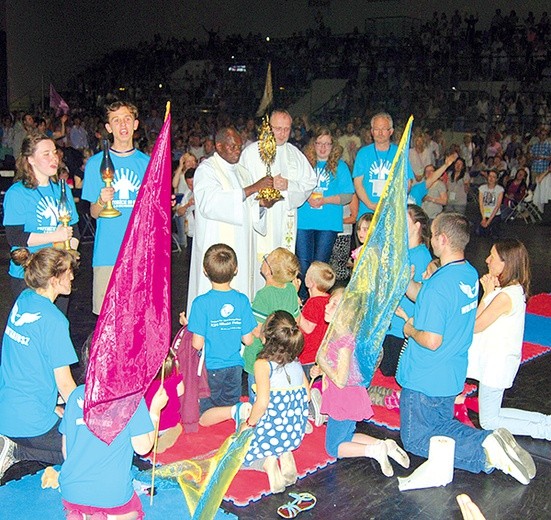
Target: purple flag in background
[(57, 102), (132, 335)]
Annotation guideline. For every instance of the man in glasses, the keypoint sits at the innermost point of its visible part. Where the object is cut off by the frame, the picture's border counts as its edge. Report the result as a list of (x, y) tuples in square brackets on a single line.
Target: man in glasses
[(293, 176), (373, 163)]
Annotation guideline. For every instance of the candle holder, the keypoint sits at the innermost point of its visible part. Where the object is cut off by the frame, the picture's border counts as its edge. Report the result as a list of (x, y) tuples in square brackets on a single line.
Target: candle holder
[(107, 171), (64, 211)]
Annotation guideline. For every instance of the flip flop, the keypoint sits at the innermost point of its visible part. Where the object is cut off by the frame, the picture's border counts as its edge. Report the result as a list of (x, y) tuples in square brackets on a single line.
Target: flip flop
[(301, 502)]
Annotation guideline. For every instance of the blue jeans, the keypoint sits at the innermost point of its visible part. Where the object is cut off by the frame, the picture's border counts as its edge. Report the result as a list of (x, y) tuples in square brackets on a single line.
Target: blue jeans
[(518, 422), (337, 433), (313, 245), (225, 388), (43, 448), (422, 417)]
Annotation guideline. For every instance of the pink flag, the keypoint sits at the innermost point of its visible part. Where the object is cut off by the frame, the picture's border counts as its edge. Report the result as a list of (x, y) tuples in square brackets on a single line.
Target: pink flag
[(57, 102), (132, 335)]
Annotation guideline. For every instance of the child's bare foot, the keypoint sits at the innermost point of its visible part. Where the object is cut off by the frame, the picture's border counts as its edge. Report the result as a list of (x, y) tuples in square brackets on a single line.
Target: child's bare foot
[(271, 467), (288, 468)]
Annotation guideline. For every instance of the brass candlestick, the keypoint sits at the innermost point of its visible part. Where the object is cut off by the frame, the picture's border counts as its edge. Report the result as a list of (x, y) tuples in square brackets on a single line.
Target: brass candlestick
[(107, 171), (267, 147)]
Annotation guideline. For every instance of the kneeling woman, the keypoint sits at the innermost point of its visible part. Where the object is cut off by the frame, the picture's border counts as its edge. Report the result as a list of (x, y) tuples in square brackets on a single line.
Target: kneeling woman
[(36, 354), (494, 356)]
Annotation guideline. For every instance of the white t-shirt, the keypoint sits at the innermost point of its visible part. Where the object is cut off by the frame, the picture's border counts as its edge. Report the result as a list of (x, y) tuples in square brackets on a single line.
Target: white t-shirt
[(494, 356), (490, 198)]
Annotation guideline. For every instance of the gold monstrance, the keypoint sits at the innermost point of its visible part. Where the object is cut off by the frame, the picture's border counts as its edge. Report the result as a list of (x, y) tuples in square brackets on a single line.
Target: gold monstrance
[(267, 147)]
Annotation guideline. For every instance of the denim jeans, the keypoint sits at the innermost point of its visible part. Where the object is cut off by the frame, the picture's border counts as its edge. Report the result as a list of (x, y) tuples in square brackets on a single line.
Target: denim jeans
[(43, 448), (313, 245), (518, 422), (225, 388), (422, 417)]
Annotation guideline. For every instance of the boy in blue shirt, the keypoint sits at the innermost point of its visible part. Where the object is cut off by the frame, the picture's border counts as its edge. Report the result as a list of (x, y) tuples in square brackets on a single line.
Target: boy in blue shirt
[(220, 321)]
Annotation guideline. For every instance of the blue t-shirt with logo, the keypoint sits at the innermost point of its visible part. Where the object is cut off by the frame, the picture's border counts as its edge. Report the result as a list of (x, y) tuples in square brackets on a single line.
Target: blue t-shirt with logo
[(446, 305), (129, 173), (374, 165), (419, 257), (94, 473), (36, 209), (222, 318), (329, 216), (36, 341)]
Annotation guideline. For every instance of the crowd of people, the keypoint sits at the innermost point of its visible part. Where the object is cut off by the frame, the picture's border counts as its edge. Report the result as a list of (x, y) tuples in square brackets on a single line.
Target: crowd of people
[(263, 269), (247, 310)]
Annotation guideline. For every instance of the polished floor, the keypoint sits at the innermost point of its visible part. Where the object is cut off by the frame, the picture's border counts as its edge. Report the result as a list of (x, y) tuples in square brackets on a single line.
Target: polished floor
[(356, 488)]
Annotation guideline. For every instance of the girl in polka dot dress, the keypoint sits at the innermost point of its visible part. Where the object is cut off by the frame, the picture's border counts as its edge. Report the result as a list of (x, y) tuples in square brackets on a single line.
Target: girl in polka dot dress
[(280, 412)]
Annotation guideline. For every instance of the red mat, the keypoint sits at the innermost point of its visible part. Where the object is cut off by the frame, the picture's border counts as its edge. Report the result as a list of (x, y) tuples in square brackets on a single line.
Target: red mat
[(391, 418), (248, 485), (540, 304)]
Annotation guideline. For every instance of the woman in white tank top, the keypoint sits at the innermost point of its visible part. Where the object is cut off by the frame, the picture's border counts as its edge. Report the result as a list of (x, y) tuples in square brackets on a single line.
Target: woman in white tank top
[(494, 356)]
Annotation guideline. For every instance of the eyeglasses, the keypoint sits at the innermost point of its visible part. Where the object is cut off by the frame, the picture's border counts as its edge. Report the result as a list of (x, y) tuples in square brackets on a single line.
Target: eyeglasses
[(323, 145), (265, 259), (381, 130)]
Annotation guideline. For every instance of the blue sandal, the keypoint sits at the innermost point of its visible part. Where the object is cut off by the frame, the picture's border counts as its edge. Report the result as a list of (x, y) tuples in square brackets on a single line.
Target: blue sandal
[(301, 502)]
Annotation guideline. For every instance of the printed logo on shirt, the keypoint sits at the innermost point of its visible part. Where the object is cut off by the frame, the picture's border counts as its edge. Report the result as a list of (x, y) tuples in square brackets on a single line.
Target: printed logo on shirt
[(378, 173), (126, 184), (226, 323), (323, 178), (80, 404), (226, 310), (23, 318), (46, 214), (18, 320), (471, 293), (489, 198)]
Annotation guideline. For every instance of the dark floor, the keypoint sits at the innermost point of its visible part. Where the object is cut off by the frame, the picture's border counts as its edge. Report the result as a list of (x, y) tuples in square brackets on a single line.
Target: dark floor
[(356, 488)]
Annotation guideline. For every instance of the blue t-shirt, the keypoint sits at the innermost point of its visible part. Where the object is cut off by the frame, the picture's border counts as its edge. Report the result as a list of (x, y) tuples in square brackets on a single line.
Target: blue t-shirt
[(417, 193), (222, 318), (35, 210), (329, 216), (374, 166), (129, 173), (446, 305), (419, 257), (36, 341), (98, 474)]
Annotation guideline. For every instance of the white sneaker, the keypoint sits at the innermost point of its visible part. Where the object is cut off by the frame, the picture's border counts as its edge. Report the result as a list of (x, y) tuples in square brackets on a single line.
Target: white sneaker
[(315, 404), (7, 459), (504, 453)]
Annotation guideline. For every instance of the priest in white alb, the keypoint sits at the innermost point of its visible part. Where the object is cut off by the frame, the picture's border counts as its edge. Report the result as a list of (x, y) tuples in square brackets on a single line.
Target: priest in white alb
[(296, 180), (226, 211)]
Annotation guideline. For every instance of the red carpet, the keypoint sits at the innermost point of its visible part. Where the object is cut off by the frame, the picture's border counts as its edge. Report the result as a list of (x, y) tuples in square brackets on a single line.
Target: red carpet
[(248, 485)]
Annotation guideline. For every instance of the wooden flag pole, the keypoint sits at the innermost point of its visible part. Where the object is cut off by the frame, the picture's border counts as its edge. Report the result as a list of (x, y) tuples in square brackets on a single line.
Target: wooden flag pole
[(155, 442)]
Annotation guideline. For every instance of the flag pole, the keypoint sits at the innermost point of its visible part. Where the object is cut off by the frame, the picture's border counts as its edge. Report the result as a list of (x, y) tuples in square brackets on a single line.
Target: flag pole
[(155, 442)]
